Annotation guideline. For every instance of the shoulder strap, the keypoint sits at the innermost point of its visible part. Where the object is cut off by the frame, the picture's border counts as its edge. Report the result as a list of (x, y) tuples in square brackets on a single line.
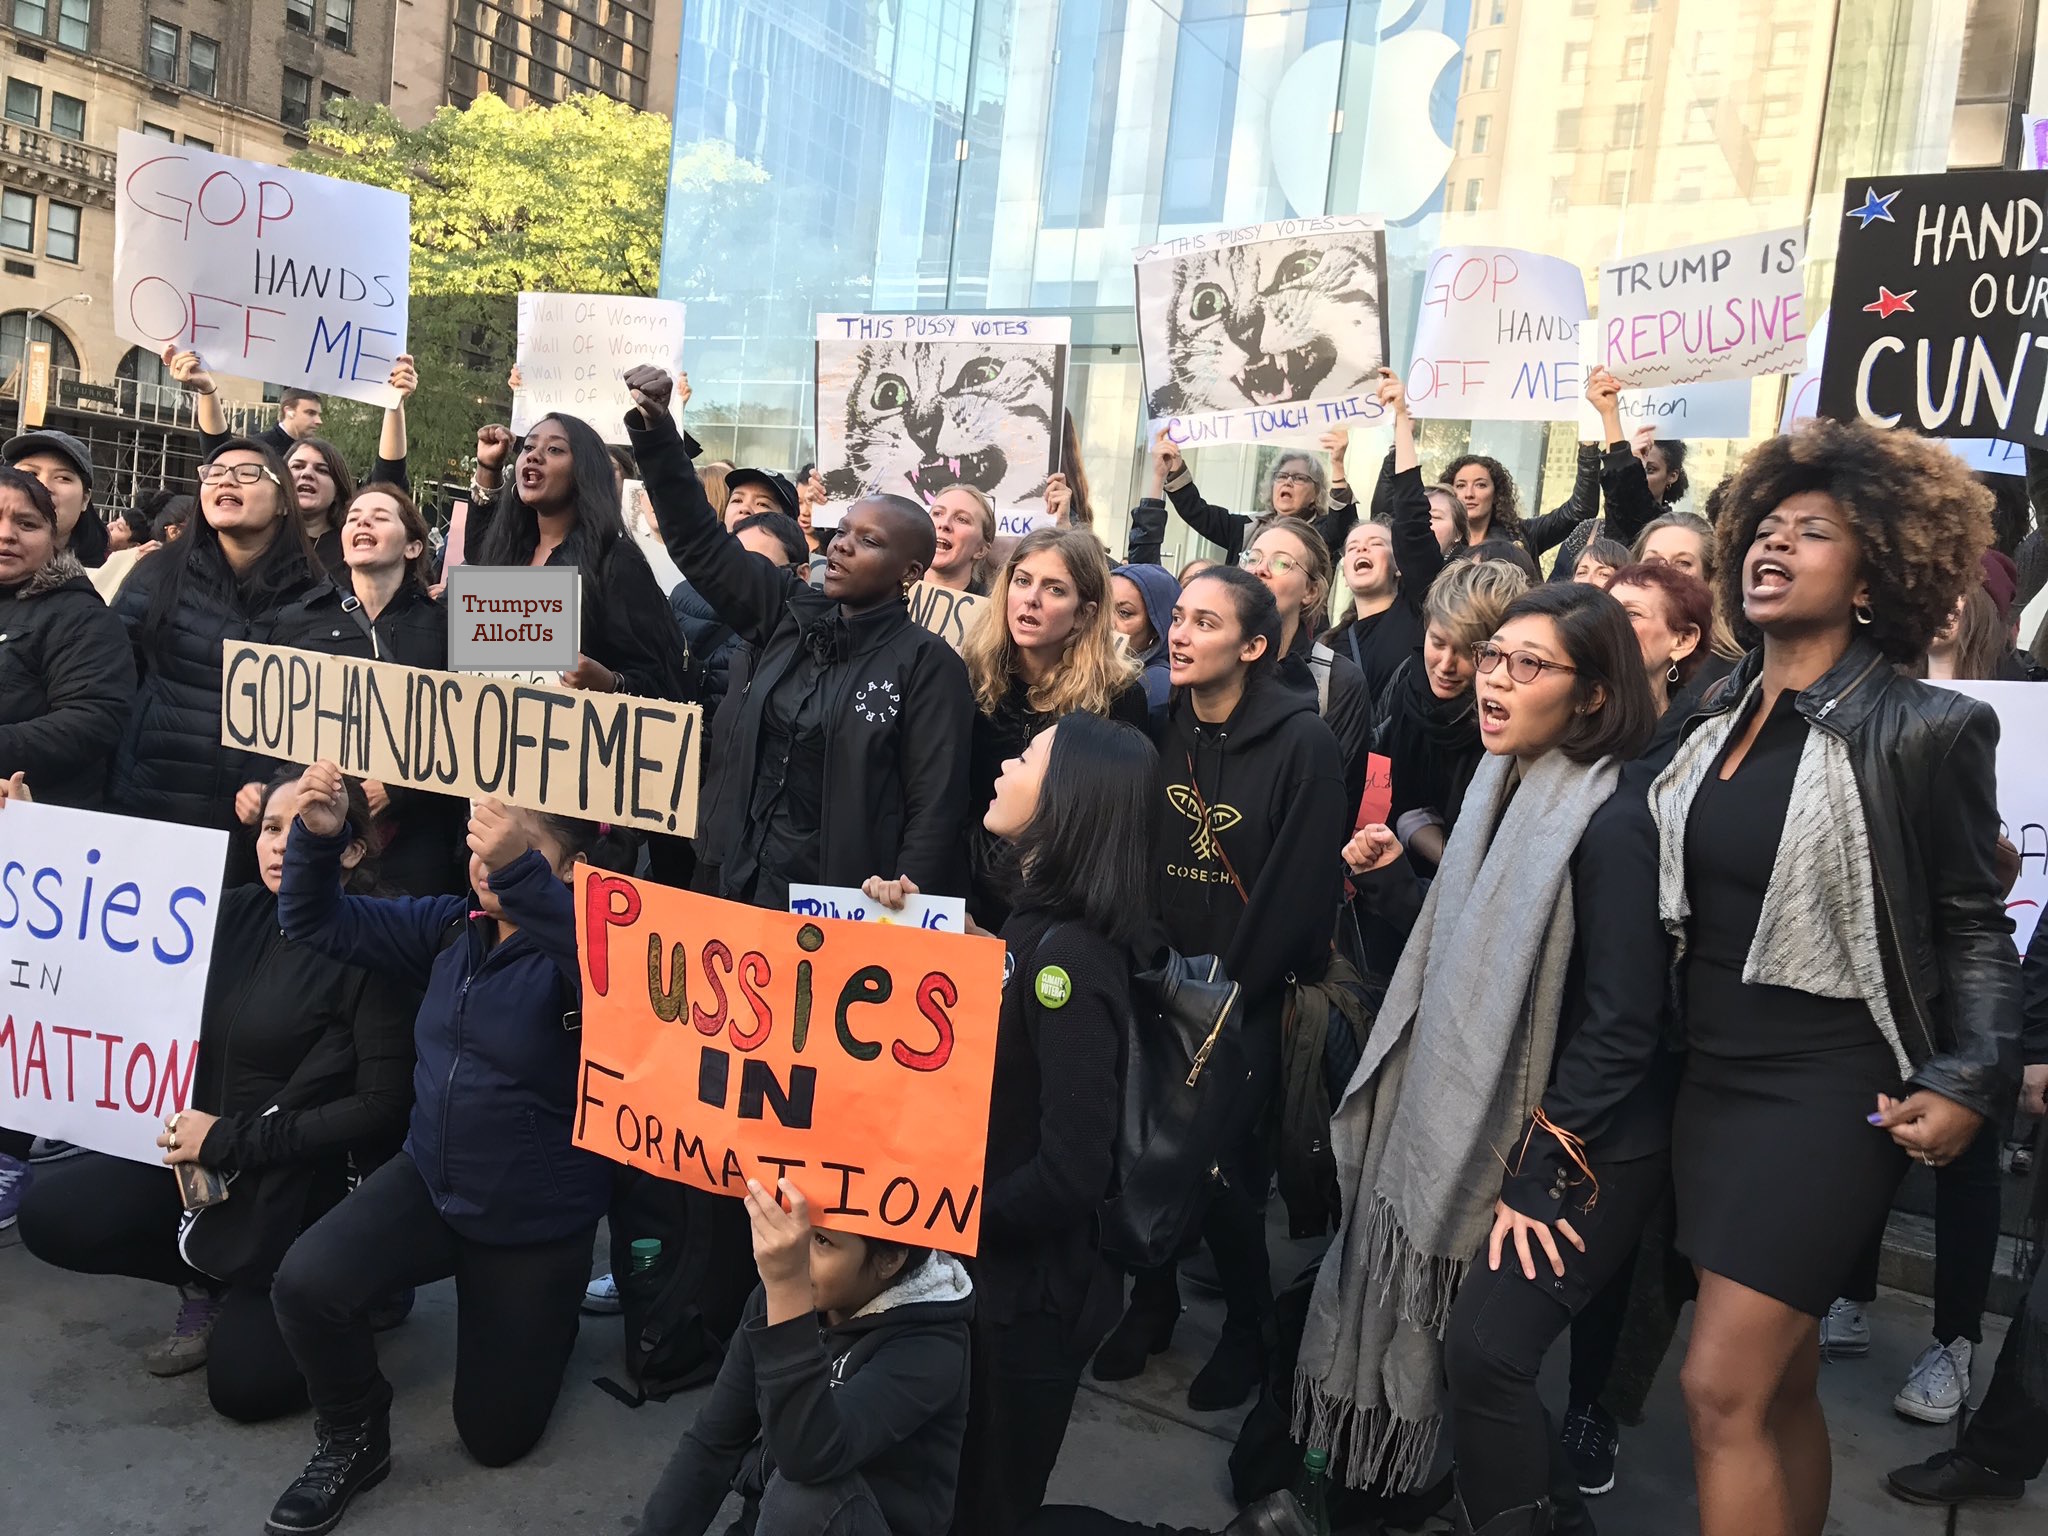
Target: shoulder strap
[(353, 607), (1209, 822), (1320, 657)]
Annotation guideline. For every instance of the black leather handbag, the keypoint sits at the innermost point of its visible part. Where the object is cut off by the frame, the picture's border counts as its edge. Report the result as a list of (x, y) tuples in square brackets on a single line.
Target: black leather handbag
[(1185, 1070)]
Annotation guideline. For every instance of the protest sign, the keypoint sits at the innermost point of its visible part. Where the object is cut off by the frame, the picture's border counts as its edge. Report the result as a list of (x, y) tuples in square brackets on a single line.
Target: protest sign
[(722, 1042), (269, 273), (1985, 455), (106, 934), (515, 617), (1497, 338), (944, 611), (1725, 309), (935, 914), (1940, 314), (910, 404), (596, 756), (1684, 411), (1266, 333), (2033, 143), (575, 348), (2022, 792)]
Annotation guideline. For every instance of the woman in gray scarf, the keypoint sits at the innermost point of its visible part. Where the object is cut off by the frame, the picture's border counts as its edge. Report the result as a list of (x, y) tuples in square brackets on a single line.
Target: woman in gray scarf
[(1513, 954)]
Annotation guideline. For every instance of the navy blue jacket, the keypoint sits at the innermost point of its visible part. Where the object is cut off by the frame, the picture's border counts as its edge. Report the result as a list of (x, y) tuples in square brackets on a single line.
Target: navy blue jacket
[(495, 1089)]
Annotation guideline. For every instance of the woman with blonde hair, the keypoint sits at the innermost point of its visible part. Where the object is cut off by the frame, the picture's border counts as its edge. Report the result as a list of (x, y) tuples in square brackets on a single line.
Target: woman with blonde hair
[(964, 521), (1045, 646)]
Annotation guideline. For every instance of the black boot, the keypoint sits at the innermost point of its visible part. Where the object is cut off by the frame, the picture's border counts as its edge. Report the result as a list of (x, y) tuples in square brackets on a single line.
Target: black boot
[(1529, 1520), (1277, 1514), (1145, 1330), (1233, 1373), (349, 1458)]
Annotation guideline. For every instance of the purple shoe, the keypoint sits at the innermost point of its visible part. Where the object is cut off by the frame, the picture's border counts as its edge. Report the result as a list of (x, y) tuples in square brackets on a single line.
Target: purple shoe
[(184, 1349)]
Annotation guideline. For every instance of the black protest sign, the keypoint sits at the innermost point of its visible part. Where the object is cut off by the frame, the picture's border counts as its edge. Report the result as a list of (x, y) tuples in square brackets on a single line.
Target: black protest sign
[(1939, 320)]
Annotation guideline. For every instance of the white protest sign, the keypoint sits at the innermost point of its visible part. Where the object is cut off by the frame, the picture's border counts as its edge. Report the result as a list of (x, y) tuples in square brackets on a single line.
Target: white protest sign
[(575, 348), (1726, 309), (935, 914), (1269, 333), (1683, 411), (106, 933), (1497, 338), (264, 272), (2022, 791)]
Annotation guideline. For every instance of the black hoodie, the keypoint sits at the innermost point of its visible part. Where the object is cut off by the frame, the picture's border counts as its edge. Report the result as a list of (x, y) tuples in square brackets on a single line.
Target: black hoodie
[(1272, 782), (882, 1394)]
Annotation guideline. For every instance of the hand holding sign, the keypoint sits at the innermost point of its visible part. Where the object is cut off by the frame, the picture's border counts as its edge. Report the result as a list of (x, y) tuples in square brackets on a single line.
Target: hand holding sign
[(323, 799), (16, 788), (187, 369), (405, 376), (782, 1248)]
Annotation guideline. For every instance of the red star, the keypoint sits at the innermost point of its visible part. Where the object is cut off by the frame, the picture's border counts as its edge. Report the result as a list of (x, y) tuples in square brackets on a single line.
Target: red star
[(1889, 303)]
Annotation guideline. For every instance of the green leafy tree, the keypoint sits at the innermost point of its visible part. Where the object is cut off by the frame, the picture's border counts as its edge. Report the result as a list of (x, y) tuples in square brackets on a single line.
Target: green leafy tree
[(561, 199)]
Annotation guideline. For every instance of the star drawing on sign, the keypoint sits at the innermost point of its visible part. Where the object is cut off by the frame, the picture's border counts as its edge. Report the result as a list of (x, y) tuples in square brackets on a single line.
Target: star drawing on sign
[(1889, 303), (1875, 208)]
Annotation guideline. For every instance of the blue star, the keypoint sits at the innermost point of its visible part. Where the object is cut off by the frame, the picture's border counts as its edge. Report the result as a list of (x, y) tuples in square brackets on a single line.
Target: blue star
[(1874, 208)]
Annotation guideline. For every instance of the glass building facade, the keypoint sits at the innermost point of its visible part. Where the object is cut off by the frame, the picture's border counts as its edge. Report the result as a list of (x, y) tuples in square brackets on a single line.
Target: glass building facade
[(1010, 155)]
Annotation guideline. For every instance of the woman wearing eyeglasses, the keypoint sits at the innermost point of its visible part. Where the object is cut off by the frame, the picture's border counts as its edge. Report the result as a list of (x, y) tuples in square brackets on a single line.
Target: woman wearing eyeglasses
[(1524, 1017), (1299, 487), (241, 562)]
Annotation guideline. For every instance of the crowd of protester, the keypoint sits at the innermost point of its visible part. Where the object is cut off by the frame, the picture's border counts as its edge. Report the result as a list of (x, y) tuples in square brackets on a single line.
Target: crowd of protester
[(1645, 891)]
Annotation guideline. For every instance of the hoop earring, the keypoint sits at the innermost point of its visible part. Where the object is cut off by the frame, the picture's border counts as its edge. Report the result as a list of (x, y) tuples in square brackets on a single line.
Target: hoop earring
[(1863, 615), (1672, 675)]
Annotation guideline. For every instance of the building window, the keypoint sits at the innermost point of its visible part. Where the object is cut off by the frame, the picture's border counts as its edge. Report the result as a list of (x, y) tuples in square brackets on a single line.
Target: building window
[(341, 22), (24, 103), (1575, 63), (1482, 134), (1489, 70), (31, 16), (1616, 189), (60, 242), (298, 99), (67, 116), (298, 15), (1472, 196), (1628, 122), (1778, 113), (202, 61), (17, 221), (1706, 53), (162, 58), (1568, 128), (158, 131), (1497, 13), (1699, 121), (74, 24), (1688, 189), (329, 95), (197, 143), (1560, 194), (1788, 47), (1583, 7), (1635, 58), (1642, 5)]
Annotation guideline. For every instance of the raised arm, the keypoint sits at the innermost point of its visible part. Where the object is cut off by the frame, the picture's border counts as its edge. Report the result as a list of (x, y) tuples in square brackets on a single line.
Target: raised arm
[(207, 414), (392, 444), (1417, 555), (1544, 533), (1213, 523)]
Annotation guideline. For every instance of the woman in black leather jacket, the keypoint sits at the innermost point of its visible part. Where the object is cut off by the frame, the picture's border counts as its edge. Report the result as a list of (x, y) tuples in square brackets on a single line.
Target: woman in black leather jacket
[(1848, 987)]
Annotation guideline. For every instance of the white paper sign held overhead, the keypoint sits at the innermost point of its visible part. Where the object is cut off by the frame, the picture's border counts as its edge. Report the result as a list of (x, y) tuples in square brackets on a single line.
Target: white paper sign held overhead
[(575, 349)]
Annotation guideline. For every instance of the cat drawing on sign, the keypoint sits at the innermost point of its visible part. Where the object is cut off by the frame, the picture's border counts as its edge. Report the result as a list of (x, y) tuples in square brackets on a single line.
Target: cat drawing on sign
[(1267, 324), (919, 417)]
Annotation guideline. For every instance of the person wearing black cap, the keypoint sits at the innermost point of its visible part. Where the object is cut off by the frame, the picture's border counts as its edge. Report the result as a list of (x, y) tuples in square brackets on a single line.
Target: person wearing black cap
[(752, 491), (64, 465)]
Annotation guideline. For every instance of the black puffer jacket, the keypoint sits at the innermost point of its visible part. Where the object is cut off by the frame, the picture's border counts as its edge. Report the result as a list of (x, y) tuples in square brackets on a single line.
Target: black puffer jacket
[(67, 684), (170, 764), (1926, 769)]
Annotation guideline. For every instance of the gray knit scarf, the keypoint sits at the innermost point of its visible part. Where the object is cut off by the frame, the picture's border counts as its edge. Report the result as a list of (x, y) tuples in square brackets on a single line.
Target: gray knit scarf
[(1456, 1061), (1818, 928)]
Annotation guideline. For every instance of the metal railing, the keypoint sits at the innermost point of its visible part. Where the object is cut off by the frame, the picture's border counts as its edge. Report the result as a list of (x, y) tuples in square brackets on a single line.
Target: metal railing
[(154, 404)]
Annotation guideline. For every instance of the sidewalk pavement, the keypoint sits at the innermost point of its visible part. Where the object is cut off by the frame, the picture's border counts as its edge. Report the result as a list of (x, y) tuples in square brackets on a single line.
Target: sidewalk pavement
[(94, 1446)]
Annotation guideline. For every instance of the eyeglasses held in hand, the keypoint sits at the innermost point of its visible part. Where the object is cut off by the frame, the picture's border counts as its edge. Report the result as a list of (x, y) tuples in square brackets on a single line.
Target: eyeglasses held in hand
[(1257, 560), (241, 474), (1523, 666)]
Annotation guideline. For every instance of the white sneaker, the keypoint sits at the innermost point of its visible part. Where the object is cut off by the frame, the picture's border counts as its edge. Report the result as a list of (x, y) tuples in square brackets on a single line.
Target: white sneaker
[(1939, 1382), (602, 1296), (1845, 1331)]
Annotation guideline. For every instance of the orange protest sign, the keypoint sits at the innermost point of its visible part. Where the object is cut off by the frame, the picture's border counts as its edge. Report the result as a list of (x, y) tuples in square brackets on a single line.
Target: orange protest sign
[(724, 1042)]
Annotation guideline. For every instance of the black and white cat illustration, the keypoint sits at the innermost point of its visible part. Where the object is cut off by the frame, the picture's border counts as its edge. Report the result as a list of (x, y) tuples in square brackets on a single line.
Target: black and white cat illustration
[(1267, 324), (916, 417)]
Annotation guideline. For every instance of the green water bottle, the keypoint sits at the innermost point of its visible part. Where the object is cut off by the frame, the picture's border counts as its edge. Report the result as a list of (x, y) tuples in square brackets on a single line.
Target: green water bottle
[(646, 1253), (1314, 1490)]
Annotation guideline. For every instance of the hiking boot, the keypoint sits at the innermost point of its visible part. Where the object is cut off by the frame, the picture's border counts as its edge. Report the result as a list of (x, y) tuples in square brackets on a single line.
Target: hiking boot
[(1845, 1331), (1146, 1329), (1937, 1385), (1592, 1441), (15, 1177), (1950, 1477), (1277, 1514), (1233, 1373), (391, 1311), (601, 1297), (347, 1459), (185, 1347)]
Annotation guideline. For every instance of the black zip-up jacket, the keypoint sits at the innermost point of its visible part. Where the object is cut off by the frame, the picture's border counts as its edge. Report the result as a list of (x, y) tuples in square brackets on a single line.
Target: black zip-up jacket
[(899, 715), (2034, 999), (423, 833), (1377, 646), (1273, 783), (325, 1044), (882, 1395), (1925, 760), (67, 684)]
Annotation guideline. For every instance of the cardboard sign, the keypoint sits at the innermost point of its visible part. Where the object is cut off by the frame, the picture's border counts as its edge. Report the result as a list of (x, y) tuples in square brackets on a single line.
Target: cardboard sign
[(1939, 318), (264, 272), (934, 914), (575, 348), (944, 611), (2022, 793), (604, 757), (106, 934), (1728, 309), (911, 404), (1497, 338), (722, 1042), (1267, 333)]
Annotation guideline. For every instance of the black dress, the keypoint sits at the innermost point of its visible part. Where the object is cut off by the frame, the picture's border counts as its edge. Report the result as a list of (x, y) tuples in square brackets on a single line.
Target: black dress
[(1782, 1181)]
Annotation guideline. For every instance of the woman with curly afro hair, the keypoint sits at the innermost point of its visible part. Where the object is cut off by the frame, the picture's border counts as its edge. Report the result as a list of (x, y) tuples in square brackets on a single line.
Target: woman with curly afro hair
[(1850, 997)]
